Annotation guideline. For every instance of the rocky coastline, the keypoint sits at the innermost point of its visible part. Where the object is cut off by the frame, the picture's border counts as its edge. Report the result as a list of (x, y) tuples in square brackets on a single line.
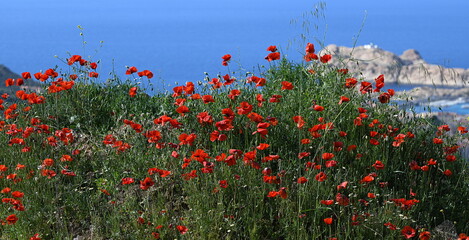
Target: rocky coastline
[(29, 84), (438, 86), (7, 73), (369, 61)]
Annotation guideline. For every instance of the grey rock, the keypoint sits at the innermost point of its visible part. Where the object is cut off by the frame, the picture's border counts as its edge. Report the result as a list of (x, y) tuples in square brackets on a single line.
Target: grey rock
[(7, 73), (29, 84), (369, 62), (431, 93)]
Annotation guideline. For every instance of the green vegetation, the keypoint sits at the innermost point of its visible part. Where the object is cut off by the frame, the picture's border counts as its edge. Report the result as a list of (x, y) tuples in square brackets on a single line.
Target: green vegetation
[(301, 151)]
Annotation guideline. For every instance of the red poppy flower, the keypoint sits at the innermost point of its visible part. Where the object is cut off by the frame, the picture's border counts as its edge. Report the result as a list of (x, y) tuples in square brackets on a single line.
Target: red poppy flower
[(181, 229), (48, 173), (328, 221), (331, 163), (146, 183), (299, 121), (5, 190), (342, 199), (309, 48), (208, 99), (67, 172), (48, 162), (374, 142), (182, 109), (463, 236), (263, 146), (310, 56), (318, 108), (131, 70), (9, 82), (215, 135), (275, 98), (127, 180), (343, 71), (233, 94), (266, 171), (17, 194), (390, 226), (350, 82), (133, 91), (12, 219), (226, 58), (344, 99), (255, 117), (378, 165), (93, 65), (146, 73), (408, 232), (424, 235), (384, 97), (26, 75), (200, 155), (287, 85), (327, 156), (257, 80), (320, 177), (272, 194), (343, 185), (462, 130), (19, 82), (189, 176), (327, 202), (73, 59), (450, 158), (244, 108), (273, 56), (223, 183), (93, 74), (161, 172), (224, 125), (155, 235), (367, 179), (302, 155), (272, 48), (187, 139), (302, 180), (51, 73), (216, 83), (228, 80), (326, 58), (283, 193)]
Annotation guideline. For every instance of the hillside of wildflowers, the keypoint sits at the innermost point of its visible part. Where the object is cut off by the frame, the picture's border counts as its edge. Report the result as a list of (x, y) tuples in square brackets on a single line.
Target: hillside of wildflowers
[(300, 150)]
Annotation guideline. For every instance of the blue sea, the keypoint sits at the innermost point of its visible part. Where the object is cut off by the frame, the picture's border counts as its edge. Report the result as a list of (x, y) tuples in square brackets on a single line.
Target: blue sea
[(181, 40)]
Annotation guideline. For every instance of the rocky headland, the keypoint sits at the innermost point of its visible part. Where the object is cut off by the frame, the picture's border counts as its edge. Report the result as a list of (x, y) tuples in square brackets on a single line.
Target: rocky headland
[(435, 85), (431, 93), (6, 73), (369, 61)]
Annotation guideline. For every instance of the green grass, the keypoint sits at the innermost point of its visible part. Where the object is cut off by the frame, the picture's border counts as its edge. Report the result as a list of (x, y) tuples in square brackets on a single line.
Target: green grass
[(96, 205)]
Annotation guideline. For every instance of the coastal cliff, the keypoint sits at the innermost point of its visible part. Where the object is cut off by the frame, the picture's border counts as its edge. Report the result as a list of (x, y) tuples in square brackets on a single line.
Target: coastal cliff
[(409, 68), (29, 84), (7, 73)]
